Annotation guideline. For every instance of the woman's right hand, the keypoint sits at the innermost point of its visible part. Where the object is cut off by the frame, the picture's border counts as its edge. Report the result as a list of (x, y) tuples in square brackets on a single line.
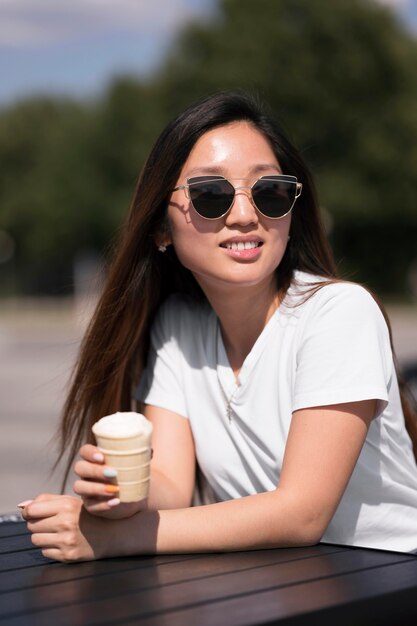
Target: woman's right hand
[(98, 488)]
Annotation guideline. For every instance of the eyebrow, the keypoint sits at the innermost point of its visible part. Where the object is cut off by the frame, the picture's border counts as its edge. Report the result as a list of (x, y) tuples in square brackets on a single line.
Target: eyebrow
[(260, 167)]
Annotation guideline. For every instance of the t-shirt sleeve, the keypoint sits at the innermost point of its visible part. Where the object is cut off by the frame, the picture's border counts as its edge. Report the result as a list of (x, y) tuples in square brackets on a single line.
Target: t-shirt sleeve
[(161, 381), (344, 352)]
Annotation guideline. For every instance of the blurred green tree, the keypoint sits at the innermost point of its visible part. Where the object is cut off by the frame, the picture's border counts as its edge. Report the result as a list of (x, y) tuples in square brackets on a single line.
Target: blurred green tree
[(341, 75), (41, 145)]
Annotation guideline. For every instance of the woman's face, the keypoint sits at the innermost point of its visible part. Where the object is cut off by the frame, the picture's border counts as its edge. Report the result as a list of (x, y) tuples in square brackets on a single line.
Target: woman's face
[(236, 151)]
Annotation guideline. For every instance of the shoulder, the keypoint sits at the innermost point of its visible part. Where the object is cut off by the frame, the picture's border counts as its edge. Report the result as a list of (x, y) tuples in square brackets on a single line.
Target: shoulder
[(317, 292), (345, 302)]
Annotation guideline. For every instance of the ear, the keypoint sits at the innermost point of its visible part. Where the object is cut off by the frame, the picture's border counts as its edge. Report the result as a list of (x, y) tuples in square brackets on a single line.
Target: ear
[(163, 236), (162, 241)]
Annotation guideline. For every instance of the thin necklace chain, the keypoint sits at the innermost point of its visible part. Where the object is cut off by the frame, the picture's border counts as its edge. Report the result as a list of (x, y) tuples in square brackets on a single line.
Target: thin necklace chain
[(228, 399)]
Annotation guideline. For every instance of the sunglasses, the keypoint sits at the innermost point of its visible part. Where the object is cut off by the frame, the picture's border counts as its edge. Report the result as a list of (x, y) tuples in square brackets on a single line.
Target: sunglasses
[(212, 196)]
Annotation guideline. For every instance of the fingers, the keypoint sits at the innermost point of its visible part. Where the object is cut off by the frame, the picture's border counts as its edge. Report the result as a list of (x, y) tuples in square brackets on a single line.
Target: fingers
[(55, 524), (94, 471), (42, 496), (87, 489), (49, 544), (91, 453), (96, 478), (97, 486), (53, 554), (41, 525), (100, 505), (45, 540), (114, 509), (48, 505)]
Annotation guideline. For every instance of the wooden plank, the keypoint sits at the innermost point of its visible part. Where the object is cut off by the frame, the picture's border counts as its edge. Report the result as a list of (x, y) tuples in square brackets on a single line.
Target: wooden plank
[(16, 543), (140, 599), (29, 558), (17, 560), (161, 571), (10, 529), (33, 577), (347, 600)]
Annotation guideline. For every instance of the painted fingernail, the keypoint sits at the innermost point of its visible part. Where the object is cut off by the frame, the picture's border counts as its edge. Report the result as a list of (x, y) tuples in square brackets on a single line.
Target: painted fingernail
[(97, 456), (111, 488), (113, 502), (22, 505), (109, 472)]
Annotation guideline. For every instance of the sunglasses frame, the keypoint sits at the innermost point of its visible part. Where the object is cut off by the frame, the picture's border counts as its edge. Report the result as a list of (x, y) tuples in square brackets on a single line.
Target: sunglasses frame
[(281, 177)]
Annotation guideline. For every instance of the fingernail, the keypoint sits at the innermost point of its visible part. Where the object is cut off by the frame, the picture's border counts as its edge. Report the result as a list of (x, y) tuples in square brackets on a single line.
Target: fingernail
[(111, 488), (97, 456), (113, 502), (24, 503), (110, 472)]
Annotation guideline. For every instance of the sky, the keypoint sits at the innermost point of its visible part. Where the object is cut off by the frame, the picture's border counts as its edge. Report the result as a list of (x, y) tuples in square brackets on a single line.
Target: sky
[(75, 47)]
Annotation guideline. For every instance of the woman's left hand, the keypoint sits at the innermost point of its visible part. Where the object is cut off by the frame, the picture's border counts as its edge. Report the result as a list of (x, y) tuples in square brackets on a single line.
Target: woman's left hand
[(63, 530)]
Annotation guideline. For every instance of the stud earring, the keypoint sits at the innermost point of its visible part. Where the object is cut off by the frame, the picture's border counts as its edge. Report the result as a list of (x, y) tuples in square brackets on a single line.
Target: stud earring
[(162, 248)]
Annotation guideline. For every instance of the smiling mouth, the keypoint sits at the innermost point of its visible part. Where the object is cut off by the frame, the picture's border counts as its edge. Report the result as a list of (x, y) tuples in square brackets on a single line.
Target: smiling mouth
[(241, 245)]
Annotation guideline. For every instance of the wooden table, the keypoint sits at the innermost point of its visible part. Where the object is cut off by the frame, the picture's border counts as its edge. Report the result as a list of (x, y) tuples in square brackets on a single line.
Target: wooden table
[(320, 585)]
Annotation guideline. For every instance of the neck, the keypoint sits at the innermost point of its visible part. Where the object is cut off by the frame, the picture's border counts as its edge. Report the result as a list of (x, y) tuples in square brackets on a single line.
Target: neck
[(243, 314)]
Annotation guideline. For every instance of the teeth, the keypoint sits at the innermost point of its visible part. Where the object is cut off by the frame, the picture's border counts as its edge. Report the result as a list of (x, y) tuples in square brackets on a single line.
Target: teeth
[(247, 245)]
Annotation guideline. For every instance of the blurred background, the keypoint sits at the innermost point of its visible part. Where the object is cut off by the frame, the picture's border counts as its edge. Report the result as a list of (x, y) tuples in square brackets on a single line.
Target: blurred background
[(87, 86)]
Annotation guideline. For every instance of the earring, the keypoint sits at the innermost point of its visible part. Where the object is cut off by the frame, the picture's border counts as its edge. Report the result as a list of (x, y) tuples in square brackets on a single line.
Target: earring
[(162, 248), (289, 237)]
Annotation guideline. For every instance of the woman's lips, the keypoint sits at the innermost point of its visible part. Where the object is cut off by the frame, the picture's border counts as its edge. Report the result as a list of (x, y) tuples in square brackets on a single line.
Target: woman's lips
[(241, 245), (239, 249)]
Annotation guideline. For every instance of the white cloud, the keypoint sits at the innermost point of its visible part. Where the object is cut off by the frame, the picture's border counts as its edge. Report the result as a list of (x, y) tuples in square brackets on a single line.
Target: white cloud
[(395, 4), (26, 23), (406, 10)]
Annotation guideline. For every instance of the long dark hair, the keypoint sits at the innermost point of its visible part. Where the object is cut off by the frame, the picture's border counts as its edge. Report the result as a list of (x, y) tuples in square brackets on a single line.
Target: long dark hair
[(115, 346)]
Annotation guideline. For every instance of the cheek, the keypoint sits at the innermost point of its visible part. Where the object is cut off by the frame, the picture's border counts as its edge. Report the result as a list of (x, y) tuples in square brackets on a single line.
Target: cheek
[(189, 252), (186, 243), (191, 236), (280, 235), (281, 231)]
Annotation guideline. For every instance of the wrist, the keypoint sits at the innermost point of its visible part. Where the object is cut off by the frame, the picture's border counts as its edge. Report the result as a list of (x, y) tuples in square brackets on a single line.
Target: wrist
[(134, 535), (97, 532)]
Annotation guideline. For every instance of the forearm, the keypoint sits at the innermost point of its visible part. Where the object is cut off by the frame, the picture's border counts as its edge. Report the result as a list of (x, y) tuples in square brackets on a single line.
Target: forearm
[(255, 522), (165, 494)]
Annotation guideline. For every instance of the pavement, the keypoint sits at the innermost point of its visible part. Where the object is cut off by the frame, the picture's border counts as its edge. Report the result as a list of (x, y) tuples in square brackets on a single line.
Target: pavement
[(39, 341), (38, 346)]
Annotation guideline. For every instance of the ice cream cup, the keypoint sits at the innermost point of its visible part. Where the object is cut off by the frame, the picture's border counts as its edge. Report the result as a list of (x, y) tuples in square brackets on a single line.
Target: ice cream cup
[(125, 440), (134, 491), (132, 474), (121, 460)]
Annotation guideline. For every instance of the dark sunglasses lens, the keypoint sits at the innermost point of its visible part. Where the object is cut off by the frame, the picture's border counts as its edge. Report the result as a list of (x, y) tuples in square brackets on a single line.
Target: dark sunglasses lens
[(211, 197), (274, 198)]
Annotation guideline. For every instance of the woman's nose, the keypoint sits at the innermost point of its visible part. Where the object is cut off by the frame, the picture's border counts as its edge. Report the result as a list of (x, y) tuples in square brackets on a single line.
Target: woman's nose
[(243, 211)]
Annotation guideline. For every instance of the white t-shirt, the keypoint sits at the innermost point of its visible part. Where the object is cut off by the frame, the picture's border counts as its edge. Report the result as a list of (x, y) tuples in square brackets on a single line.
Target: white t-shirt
[(332, 347)]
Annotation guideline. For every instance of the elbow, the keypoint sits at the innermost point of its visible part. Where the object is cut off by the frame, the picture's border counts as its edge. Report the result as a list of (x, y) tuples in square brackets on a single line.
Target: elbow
[(307, 522), (297, 536), (310, 534), (303, 533), (311, 528)]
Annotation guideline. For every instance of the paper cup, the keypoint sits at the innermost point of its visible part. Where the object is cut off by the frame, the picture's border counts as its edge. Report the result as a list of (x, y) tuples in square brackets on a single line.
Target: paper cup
[(123, 444), (129, 455), (119, 460), (133, 474), (134, 491)]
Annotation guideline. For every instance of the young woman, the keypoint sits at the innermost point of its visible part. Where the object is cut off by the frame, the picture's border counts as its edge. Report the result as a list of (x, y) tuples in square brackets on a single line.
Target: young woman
[(262, 373)]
